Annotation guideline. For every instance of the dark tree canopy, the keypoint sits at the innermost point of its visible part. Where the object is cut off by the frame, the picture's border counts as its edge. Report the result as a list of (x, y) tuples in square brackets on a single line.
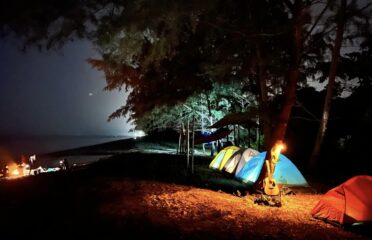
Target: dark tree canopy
[(168, 53), (164, 51)]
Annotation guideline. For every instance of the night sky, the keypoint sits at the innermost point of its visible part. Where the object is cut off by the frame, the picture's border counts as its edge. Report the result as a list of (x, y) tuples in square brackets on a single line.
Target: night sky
[(55, 92)]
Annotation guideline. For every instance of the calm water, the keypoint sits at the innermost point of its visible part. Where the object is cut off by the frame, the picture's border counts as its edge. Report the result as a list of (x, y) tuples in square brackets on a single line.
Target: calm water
[(15, 146)]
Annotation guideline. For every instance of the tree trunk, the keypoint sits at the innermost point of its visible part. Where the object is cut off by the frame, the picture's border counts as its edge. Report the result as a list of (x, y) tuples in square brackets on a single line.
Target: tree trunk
[(290, 90), (330, 87), (188, 143), (202, 126), (263, 99), (179, 142), (193, 144), (238, 136), (258, 135), (210, 120)]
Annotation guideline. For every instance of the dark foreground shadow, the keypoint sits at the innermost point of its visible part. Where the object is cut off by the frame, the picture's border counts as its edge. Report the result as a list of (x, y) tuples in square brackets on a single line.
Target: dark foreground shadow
[(67, 205)]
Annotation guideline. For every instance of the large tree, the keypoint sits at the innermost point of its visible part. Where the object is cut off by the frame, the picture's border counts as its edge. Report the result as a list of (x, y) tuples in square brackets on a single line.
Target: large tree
[(331, 81), (165, 51), (299, 11), (357, 18)]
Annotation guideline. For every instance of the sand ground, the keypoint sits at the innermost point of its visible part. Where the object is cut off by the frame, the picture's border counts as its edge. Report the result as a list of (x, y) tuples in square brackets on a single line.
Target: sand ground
[(137, 194)]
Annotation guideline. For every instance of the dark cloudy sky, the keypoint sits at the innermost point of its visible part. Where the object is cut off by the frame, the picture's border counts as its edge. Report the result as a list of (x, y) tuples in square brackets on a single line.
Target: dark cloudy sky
[(55, 93)]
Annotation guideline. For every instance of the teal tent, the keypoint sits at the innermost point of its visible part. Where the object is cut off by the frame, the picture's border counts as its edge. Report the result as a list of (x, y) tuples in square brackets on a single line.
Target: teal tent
[(285, 173)]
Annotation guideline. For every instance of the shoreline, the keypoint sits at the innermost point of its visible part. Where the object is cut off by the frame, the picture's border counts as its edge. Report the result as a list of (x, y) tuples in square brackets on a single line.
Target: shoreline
[(16, 146)]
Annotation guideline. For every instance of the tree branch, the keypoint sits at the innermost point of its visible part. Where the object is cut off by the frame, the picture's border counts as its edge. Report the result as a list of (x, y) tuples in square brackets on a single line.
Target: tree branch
[(316, 21), (307, 111), (243, 34)]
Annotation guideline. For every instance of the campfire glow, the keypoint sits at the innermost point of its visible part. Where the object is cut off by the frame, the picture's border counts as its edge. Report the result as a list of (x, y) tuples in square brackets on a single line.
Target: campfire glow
[(278, 147), (15, 172)]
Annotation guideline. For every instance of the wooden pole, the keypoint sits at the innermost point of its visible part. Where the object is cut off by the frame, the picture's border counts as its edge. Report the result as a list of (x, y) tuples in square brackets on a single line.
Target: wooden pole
[(238, 138), (249, 136), (193, 144), (188, 143), (258, 139), (234, 136), (179, 141)]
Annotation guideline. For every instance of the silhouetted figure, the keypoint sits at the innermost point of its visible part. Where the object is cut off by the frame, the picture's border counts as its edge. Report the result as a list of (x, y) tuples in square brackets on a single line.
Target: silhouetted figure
[(31, 162), (64, 164)]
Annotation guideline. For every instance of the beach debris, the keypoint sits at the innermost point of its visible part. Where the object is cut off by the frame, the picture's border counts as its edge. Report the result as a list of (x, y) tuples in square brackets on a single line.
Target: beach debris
[(268, 200), (237, 193)]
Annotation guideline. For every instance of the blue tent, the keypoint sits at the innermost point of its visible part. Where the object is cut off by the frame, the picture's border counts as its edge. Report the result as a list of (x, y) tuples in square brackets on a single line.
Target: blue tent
[(285, 171)]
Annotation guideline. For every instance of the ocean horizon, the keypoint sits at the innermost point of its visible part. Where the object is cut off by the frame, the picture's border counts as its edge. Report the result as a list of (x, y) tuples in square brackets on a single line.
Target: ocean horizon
[(17, 145)]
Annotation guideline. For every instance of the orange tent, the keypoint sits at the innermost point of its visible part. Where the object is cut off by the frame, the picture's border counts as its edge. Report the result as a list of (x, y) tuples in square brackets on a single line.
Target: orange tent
[(347, 203)]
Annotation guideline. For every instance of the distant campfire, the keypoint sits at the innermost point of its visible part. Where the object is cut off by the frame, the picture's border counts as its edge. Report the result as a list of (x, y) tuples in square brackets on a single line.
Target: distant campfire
[(14, 171)]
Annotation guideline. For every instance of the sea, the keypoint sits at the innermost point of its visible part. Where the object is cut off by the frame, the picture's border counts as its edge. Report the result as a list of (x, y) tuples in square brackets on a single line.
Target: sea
[(13, 147)]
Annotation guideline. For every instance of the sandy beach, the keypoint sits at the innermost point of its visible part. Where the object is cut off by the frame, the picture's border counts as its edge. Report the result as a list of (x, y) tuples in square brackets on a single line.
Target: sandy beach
[(141, 189)]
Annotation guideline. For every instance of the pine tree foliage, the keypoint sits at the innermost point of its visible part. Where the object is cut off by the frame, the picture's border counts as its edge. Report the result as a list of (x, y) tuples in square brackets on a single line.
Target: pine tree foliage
[(222, 99), (177, 49), (167, 52)]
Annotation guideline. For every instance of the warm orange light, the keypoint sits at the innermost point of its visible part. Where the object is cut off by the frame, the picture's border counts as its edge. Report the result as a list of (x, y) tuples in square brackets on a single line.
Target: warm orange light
[(279, 147), (15, 172)]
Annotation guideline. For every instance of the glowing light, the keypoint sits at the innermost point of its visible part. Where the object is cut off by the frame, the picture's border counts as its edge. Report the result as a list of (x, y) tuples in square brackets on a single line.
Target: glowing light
[(275, 151), (32, 158), (139, 133), (279, 147), (15, 172)]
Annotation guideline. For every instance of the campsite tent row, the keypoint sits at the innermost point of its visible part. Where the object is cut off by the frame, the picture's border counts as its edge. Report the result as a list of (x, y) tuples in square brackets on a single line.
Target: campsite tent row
[(246, 165)]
